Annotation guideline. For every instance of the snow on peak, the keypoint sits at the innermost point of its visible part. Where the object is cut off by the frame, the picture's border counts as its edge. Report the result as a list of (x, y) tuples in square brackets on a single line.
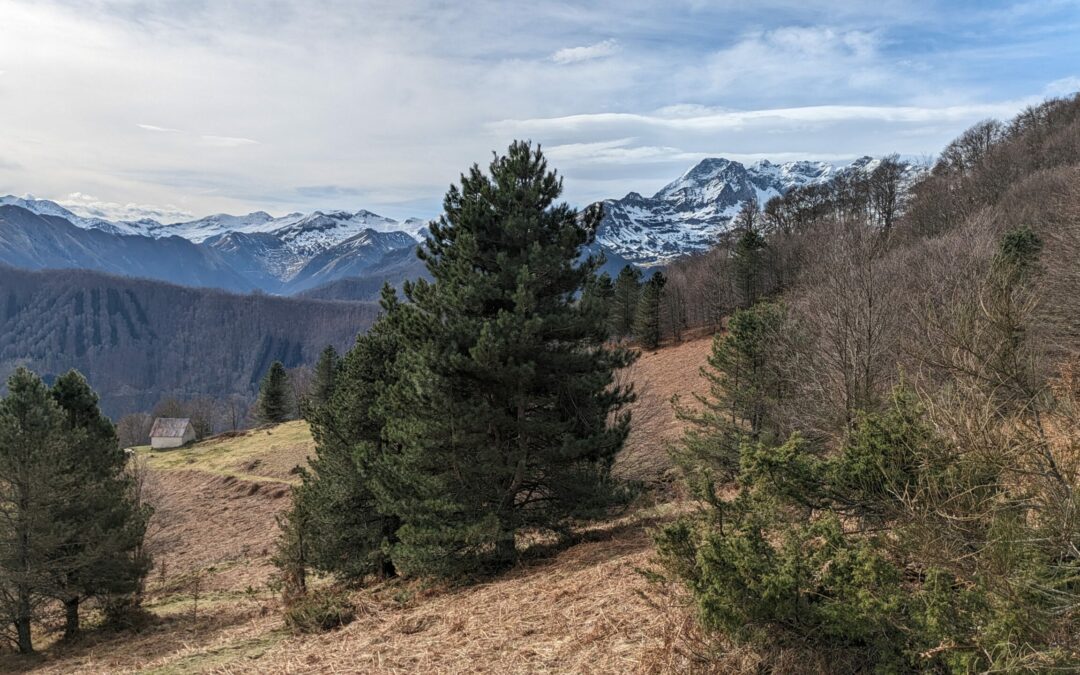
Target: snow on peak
[(686, 214)]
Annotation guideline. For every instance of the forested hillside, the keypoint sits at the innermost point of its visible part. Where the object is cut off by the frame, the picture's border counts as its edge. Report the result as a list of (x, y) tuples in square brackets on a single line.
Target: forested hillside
[(139, 341), (888, 458)]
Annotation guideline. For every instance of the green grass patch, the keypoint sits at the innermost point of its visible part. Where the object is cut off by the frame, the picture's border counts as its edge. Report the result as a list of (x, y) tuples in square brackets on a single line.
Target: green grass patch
[(266, 454)]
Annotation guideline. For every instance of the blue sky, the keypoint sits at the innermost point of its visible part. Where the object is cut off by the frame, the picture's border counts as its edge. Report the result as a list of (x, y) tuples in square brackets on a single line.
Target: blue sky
[(175, 109)]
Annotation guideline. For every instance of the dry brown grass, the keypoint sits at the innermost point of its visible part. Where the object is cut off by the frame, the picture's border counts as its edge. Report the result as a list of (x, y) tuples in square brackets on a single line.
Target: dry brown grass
[(657, 376), (587, 609)]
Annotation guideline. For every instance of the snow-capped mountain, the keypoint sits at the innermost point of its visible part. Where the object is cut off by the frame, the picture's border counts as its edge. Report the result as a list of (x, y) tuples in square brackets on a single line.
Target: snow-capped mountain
[(301, 251), (273, 254), (270, 250), (687, 214), (44, 207)]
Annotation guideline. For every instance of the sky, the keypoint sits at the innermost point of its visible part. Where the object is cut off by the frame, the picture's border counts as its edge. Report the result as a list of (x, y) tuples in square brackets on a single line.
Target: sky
[(175, 109)]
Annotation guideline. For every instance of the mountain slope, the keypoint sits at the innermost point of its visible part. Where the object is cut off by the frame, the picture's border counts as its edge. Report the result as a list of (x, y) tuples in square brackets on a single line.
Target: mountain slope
[(686, 215), (357, 256), (214, 524), (141, 341), (32, 241)]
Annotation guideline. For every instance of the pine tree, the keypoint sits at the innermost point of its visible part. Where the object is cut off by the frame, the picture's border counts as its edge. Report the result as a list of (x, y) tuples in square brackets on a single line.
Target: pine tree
[(105, 524), (647, 315), (598, 296), (344, 532), (34, 483), (323, 380), (749, 254), (625, 300), (501, 405), (745, 385), (273, 405)]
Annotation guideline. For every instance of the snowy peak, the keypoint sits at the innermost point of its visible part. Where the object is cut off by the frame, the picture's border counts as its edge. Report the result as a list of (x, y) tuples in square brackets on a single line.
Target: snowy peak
[(270, 251), (44, 207), (687, 214)]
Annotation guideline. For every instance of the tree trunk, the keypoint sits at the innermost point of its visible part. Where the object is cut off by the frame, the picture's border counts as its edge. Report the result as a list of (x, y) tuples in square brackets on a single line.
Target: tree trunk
[(71, 617), (505, 550), (22, 624)]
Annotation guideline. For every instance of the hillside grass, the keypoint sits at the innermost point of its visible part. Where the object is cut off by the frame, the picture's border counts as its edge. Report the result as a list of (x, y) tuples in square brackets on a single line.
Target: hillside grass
[(262, 454)]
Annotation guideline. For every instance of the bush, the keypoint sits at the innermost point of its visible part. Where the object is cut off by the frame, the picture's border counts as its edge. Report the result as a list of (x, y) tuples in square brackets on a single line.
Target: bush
[(320, 611), (897, 553), (124, 613)]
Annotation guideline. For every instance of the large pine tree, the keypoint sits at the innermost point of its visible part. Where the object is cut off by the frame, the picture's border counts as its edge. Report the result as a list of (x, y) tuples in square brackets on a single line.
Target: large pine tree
[(504, 410)]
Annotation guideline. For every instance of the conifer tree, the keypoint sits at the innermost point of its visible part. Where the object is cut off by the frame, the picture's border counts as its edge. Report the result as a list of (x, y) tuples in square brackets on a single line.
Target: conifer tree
[(745, 384), (323, 380), (598, 296), (104, 523), (625, 300), (647, 316), (749, 257), (34, 483), (273, 405), (503, 399), (344, 530)]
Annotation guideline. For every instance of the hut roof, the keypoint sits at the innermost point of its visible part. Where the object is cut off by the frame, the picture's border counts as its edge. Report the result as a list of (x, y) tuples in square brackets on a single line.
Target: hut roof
[(169, 427)]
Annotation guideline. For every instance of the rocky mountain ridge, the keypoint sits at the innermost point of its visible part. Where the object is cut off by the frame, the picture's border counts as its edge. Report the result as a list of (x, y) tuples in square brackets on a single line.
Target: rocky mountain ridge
[(299, 252)]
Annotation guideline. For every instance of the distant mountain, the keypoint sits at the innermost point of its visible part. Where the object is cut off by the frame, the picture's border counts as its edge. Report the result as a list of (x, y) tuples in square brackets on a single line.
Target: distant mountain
[(687, 214), (32, 241), (44, 207), (255, 251), (307, 252), (357, 256), (139, 341)]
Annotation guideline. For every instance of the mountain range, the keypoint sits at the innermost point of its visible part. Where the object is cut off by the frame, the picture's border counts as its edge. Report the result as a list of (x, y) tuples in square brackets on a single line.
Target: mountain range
[(347, 255)]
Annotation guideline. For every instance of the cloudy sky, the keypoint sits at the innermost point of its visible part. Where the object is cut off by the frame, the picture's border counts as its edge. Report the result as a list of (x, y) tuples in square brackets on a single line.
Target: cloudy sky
[(180, 108)]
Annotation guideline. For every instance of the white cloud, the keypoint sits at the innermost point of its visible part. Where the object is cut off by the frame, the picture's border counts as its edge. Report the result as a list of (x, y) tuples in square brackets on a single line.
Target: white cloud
[(618, 151), (151, 127), (820, 61), (700, 119), (227, 141), (83, 204), (231, 106), (588, 53), (1063, 87)]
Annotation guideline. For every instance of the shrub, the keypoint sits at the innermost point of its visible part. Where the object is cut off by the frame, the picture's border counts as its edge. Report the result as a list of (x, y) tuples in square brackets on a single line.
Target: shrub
[(320, 611), (897, 553)]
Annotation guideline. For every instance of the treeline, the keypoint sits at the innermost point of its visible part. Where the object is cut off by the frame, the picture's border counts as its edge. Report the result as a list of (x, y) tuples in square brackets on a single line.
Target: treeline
[(767, 246), (140, 342), (483, 407), (888, 455), (72, 516), (283, 394)]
